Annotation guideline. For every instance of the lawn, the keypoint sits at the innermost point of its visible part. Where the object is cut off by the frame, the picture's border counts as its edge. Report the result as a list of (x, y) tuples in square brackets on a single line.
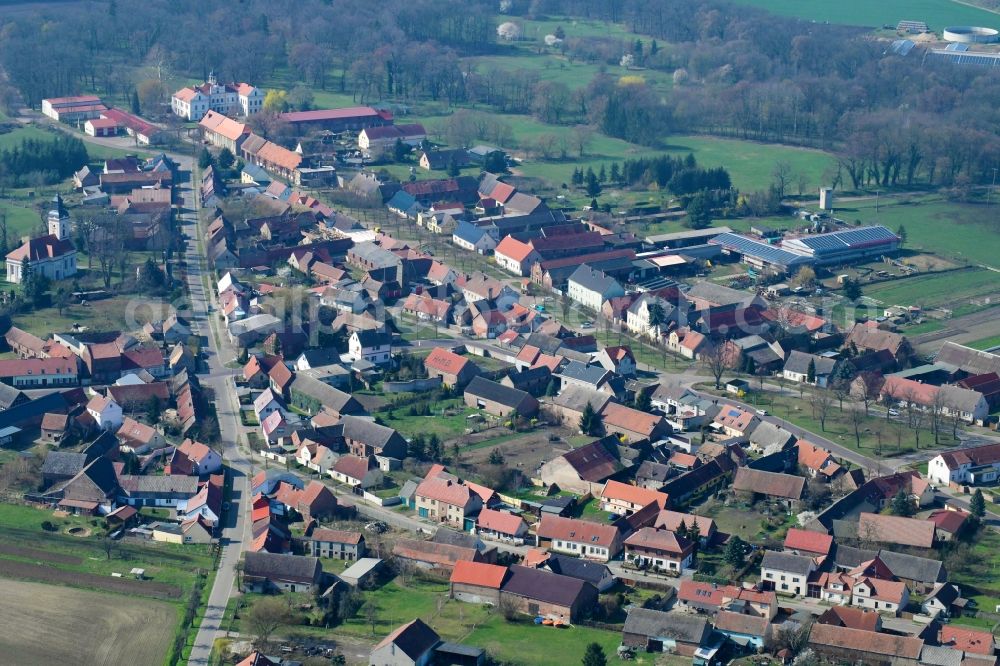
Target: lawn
[(985, 343), (936, 13), (121, 313), (930, 290), (527, 643), (447, 421)]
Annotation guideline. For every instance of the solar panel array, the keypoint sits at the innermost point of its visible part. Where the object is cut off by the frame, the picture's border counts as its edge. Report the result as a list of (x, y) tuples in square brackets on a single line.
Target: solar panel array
[(902, 47), (756, 249), (957, 47), (838, 241), (967, 58)]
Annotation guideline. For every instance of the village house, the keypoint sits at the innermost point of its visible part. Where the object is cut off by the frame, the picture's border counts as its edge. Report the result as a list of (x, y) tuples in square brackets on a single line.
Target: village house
[(968, 466), (194, 459), (371, 346), (474, 238), (773, 485), (807, 542), (106, 412), (786, 573), (501, 526), (735, 421), (618, 360), (584, 469), (625, 499), (193, 102), (797, 368), (546, 594), (436, 556), (515, 256), (477, 582), (659, 549), (138, 437), (842, 644), (655, 631), (672, 520), (377, 140), (499, 400), (591, 288), (895, 530), (579, 537), (454, 370), (750, 630), (447, 501), (364, 437), (31, 373), (224, 132), (267, 572), (338, 544), (632, 424), (357, 472)]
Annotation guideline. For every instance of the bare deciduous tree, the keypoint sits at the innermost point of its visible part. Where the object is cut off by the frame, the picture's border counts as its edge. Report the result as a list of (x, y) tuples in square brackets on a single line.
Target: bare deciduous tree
[(717, 360), (822, 406), (266, 616)]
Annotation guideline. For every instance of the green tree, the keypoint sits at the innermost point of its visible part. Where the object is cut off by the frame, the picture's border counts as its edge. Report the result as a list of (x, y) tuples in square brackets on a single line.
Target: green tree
[(577, 177), (901, 232), (852, 289), (591, 184), (901, 504), (151, 277), (552, 389), (616, 173), (590, 421), (977, 505), (400, 150), (643, 401), (495, 162), (434, 446), (496, 457), (417, 448), (276, 101), (226, 159), (811, 371), (735, 553), (204, 159), (749, 365), (136, 109), (453, 169), (699, 213), (153, 409), (594, 656), (602, 175)]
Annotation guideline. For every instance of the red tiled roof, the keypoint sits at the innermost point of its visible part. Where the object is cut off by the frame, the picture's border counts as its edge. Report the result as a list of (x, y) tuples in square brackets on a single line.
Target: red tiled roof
[(948, 520), (479, 574), (43, 247), (626, 418), (662, 540), (223, 126), (702, 593), (616, 490), (37, 366), (808, 541), (967, 640), (444, 360), (445, 490), (353, 467), (513, 249), (329, 114), (336, 536), (580, 531), (672, 520), (772, 484), (499, 521)]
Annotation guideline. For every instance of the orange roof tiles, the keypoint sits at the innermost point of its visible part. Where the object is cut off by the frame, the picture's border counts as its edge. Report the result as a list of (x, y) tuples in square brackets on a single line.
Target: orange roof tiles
[(479, 574), (808, 541), (616, 490)]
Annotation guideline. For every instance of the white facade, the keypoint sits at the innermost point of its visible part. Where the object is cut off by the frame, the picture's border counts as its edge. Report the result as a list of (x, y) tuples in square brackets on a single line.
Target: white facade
[(786, 582), (54, 268), (192, 103), (108, 418), (584, 550), (591, 298), (377, 354)]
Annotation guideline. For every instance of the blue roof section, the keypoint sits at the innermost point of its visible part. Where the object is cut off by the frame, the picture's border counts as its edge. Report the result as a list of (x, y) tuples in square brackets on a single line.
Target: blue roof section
[(469, 232), (839, 241), (757, 249), (968, 58), (902, 47)]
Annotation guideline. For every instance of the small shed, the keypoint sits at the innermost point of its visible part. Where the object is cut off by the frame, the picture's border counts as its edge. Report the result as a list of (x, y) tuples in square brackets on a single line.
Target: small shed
[(362, 572)]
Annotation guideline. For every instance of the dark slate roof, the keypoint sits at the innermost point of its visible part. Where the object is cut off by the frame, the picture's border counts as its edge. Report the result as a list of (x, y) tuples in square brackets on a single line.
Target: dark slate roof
[(592, 280), (8, 394), (371, 338), (799, 362), (369, 432), (285, 567), (414, 639), (596, 461), (454, 538), (574, 567), (327, 395), (796, 564), (543, 586), (494, 392), (591, 374), (657, 624), (64, 463), (653, 471), (911, 567)]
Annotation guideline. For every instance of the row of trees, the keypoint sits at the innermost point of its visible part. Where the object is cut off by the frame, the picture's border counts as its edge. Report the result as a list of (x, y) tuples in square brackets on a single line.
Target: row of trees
[(44, 161)]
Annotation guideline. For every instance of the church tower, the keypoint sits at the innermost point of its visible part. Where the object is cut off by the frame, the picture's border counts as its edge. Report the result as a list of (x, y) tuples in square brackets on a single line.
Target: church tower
[(59, 219)]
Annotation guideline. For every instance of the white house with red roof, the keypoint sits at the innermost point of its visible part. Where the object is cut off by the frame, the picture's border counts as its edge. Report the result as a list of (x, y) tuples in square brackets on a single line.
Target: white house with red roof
[(968, 465), (516, 256), (106, 412), (194, 459), (625, 499), (47, 255), (501, 526), (193, 102)]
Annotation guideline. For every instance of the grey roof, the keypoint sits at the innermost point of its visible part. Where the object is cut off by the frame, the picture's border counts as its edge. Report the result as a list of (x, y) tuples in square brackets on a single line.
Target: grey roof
[(469, 232), (956, 397), (576, 398), (458, 653), (768, 434), (718, 294), (543, 586), (753, 247), (373, 338), (361, 568), (940, 655), (8, 394), (970, 360), (799, 362), (574, 567), (320, 357), (653, 471), (283, 567), (414, 639), (796, 564), (658, 624), (946, 593), (64, 463), (593, 280), (911, 567), (409, 489), (375, 256), (494, 392), (367, 431), (454, 538), (584, 372), (326, 394), (848, 557)]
